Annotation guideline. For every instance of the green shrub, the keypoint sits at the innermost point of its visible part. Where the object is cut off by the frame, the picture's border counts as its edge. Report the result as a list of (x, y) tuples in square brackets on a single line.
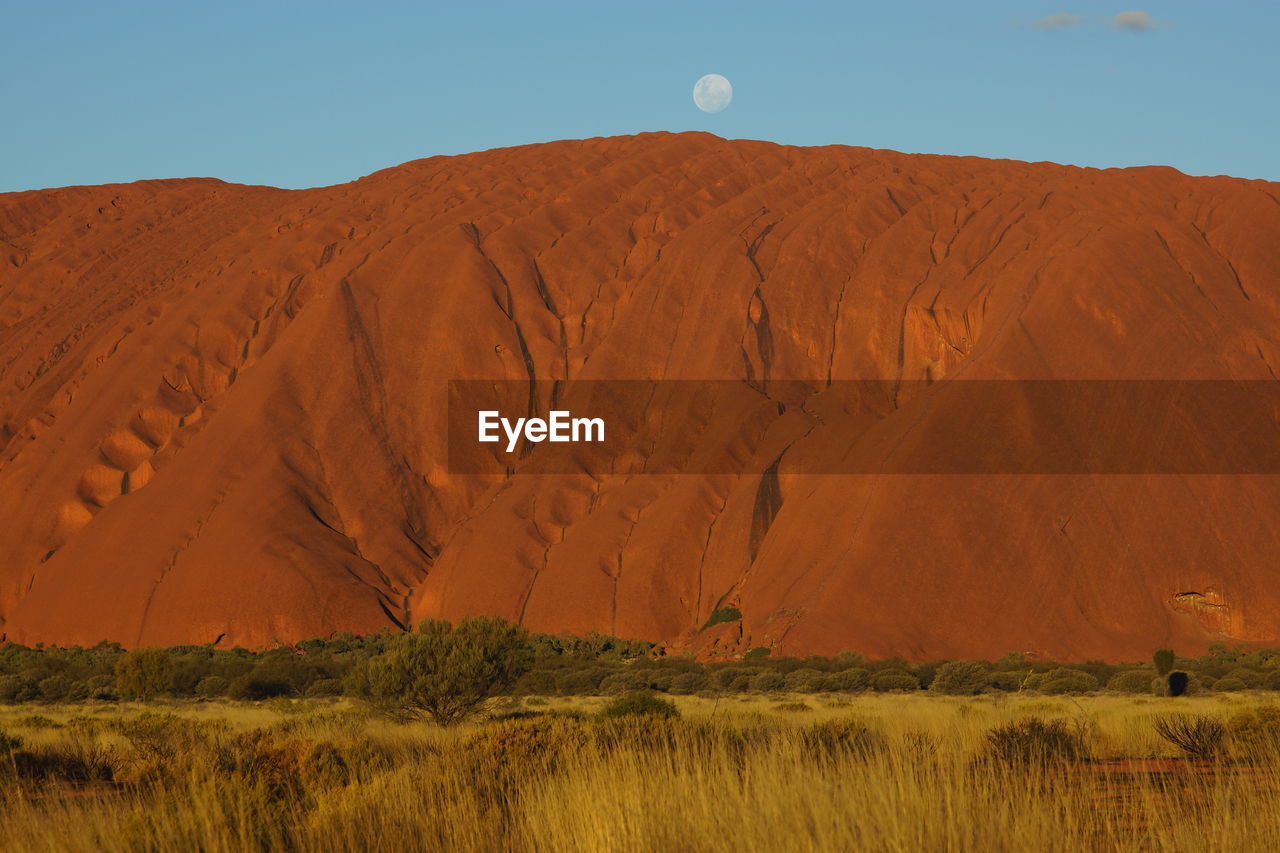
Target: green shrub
[(1248, 677), (325, 687), (1229, 684), (212, 686), (849, 680), (1008, 681), (806, 680), (1064, 680), (1132, 681), (1255, 733), (581, 681), (757, 653), (538, 682), (641, 703), (959, 678), (1271, 681), (685, 683), (1034, 741), (623, 682), (724, 677), (1163, 659), (722, 614), (101, 687), (15, 689), (255, 688), (55, 688), (143, 673), (894, 681), (767, 681), (446, 673), (164, 737)]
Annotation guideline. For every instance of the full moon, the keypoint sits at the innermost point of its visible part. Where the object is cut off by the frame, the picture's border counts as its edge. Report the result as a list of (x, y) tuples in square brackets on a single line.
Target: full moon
[(712, 93)]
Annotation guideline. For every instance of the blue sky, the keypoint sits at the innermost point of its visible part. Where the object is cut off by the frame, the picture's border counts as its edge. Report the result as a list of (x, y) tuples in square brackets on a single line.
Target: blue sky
[(301, 94)]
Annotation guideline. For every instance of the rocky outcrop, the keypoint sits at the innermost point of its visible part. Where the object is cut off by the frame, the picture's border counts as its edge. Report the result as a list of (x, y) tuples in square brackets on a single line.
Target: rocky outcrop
[(223, 408)]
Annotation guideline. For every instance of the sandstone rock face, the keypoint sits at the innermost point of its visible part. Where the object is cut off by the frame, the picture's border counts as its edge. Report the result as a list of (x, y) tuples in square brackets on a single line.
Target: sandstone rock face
[(223, 408)]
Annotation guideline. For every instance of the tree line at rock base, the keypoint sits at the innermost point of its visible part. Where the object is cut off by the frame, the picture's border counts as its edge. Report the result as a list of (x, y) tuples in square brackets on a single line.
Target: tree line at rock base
[(483, 657)]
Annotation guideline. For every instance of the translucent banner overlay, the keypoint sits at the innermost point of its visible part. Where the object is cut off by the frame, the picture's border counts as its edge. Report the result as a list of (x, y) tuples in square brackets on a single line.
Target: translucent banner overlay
[(865, 427)]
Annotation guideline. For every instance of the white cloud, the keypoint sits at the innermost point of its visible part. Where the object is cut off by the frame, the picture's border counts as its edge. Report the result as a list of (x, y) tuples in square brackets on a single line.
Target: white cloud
[(1060, 21), (1136, 21)]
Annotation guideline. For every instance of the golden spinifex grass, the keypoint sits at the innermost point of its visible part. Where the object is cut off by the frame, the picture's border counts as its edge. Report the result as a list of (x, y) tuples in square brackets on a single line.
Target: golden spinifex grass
[(754, 773)]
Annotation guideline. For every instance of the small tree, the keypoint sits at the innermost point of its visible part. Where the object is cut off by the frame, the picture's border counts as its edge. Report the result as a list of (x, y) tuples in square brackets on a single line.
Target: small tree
[(960, 678), (1163, 659), (143, 673), (445, 673)]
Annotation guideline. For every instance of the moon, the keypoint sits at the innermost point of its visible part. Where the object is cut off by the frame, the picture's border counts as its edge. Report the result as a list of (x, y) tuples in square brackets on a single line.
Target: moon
[(712, 93)]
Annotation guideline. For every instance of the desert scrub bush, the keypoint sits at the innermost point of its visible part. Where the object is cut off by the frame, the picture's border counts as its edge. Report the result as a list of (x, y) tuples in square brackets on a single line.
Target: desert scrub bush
[(75, 761), (324, 688), (1008, 681), (165, 746), (894, 681), (579, 682), (538, 682), (1229, 684), (725, 677), (767, 681), (685, 683), (1034, 741), (102, 687), (1255, 733), (1199, 736), (15, 689), (959, 678), (256, 687), (623, 682), (850, 680), (446, 673), (1063, 680), (722, 614), (212, 687), (791, 707), (1251, 679), (143, 673), (538, 745), (834, 738), (640, 703), (805, 680), (36, 721), (1132, 681)]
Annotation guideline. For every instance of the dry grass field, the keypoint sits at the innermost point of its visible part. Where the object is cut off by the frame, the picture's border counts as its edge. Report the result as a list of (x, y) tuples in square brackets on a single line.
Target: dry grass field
[(765, 772)]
